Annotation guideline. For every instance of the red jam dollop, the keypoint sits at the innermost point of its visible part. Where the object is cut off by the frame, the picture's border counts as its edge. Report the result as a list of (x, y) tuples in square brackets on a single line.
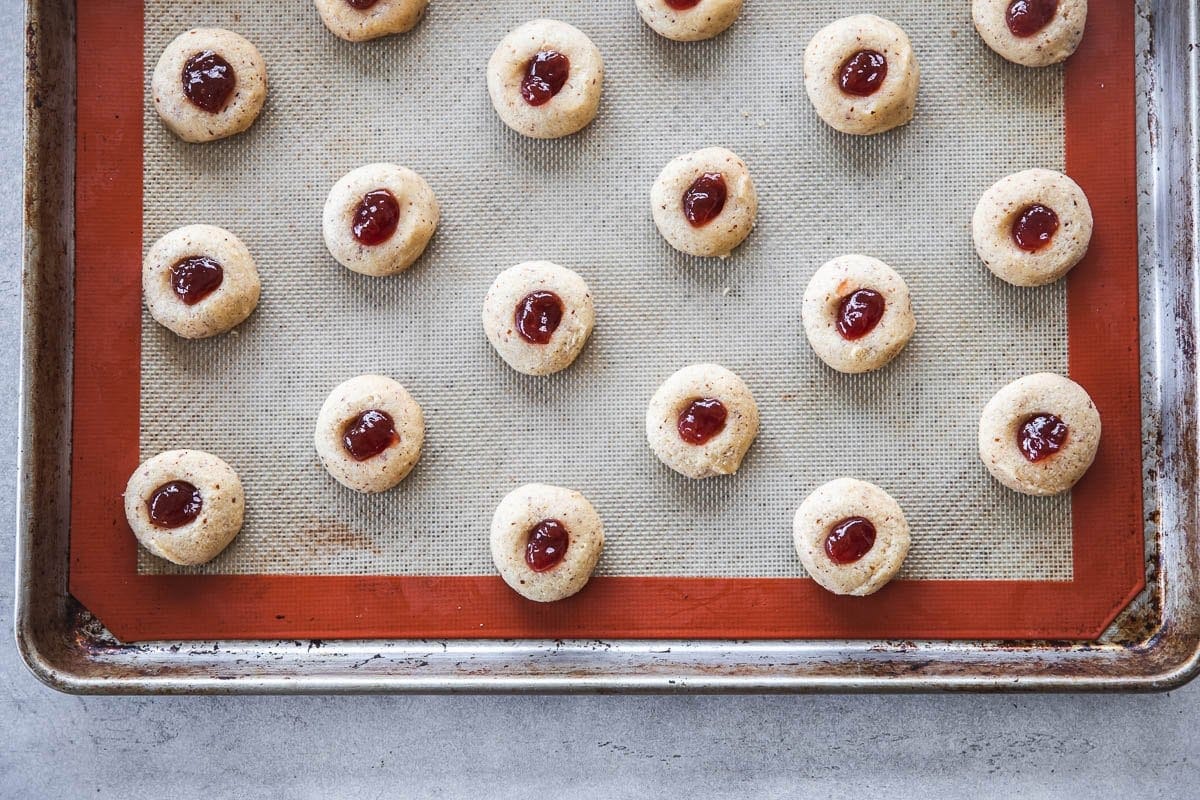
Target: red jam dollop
[(701, 420), (208, 81), (859, 312), (862, 73), (1041, 436), (1027, 17), (369, 434), (361, 5), (682, 5), (174, 504), (195, 278), (547, 545), (850, 540), (537, 316), (1034, 227), (545, 75), (376, 217), (704, 199)]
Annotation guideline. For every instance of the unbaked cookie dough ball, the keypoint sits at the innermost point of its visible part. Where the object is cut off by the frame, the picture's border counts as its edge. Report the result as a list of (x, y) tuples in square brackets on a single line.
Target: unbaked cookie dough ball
[(689, 20), (704, 203), (209, 83), (851, 537), (538, 316), (1039, 434), (185, 506), (1035, 33), (861, 75), (857, 313), (199, 280), (379, 218), (369, 433), (546, 541), (545, 78), (360, 20), (1032, 227), (701, 421)]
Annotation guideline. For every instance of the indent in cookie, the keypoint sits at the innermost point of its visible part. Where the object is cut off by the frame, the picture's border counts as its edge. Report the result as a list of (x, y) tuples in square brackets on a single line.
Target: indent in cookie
[(376, 217), (1034, 227), (859, 312), (369, 433), (545, 75), (537, 316), (174, 504), (850, 540), (1026, 17), (547, 545), (704, 199), (701, 420), (863, 73), (1041, 436), (208, 81), (195, 278)]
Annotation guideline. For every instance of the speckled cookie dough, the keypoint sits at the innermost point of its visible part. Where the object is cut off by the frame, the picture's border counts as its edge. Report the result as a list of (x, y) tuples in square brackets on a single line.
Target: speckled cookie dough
[(842, 75), (1015, 208), (185, 506), (546, 541), (379, 218), (703, 20), (701, 421), (227, 79), (838, 550), (1039, 434), (538, 316), (724, 208), (381, 18), (199, 280), (857, 313), (1051, 29), (369, 433), (534, 91)]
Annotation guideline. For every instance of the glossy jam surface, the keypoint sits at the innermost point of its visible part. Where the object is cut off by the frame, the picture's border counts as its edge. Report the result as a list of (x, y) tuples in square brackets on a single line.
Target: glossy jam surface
[(208, 81), (704, 199), (376, 217), (859, 312), (682, 5), (174, 504), (369, 434), (862, 73), (1041, 436), (195, 278), (1026, 17), (547, 545), (545, 75), (537, 316), (701, 420), (850, 540), (361, 5), (1034, 227)]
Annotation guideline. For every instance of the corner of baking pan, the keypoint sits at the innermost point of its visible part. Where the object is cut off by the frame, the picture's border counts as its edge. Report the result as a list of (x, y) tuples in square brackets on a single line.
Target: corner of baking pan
[(1155, 646)]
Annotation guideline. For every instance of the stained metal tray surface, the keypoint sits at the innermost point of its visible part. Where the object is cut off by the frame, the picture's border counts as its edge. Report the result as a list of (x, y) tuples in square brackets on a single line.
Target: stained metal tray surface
[(1153, 644)]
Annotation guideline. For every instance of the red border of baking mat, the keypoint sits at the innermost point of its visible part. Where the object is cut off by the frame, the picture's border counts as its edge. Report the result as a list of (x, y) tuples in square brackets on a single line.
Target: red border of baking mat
[(1107, 506)]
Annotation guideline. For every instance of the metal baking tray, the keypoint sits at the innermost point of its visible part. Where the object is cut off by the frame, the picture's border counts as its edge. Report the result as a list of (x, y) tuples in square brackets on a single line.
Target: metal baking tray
[(1153, 644)]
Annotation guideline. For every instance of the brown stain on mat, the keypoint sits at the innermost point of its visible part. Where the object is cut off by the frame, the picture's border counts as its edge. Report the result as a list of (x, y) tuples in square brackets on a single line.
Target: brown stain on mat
[(324, 537)]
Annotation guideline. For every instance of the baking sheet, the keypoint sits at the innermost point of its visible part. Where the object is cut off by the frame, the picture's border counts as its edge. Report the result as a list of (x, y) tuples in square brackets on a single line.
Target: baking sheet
[(420, 100)]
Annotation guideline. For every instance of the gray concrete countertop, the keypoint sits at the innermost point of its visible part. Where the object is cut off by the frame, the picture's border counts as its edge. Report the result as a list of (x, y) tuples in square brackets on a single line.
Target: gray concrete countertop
[(56, 746)]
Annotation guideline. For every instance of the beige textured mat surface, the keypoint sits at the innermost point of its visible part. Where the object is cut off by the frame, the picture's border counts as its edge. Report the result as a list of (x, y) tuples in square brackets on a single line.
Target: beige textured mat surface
[(420, 100)]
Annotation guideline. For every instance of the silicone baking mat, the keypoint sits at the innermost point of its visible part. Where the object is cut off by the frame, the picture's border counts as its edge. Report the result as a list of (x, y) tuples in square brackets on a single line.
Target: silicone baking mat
[(686, 559)]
